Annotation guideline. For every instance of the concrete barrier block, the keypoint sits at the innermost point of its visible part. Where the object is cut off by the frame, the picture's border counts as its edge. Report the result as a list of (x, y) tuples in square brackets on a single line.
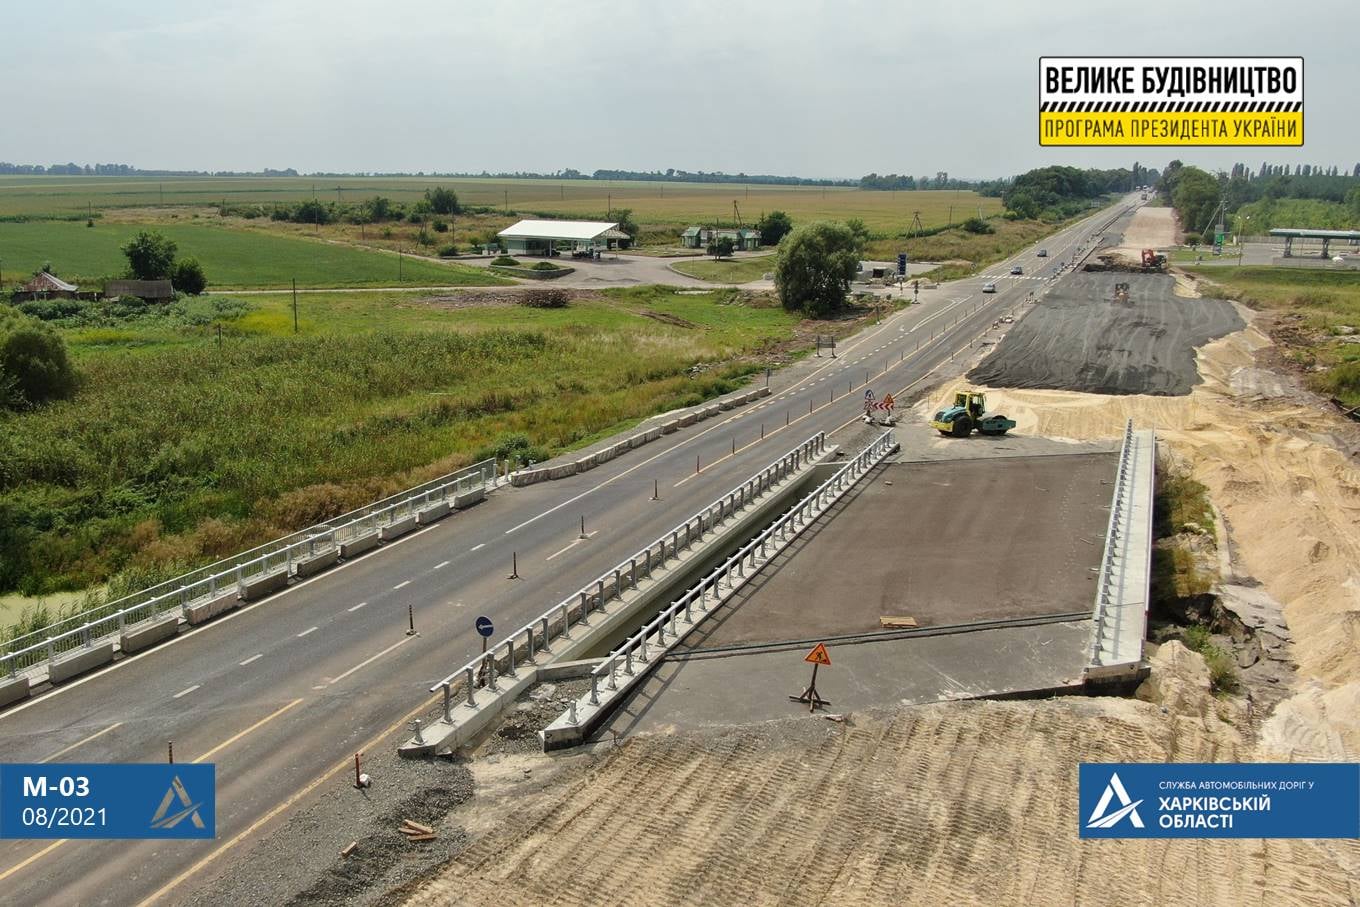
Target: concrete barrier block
[(562, 471), (622, 447), (604, 456), (468, 498), (708, 412), (652, 434), (432, 513), (728, 403), (637, 441), (12, 689), (398, 528), (762, 392), (79, 661), (670, 427), (585, 463), (688, 419), (310, 566), (202, 612), (359, 545), (147, 635), (260, 586)]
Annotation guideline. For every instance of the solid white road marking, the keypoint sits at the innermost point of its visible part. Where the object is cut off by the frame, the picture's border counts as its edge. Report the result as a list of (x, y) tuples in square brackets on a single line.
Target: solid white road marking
[(441, 564), (188, 691), (478, 547), (355, 608), (405, 582), (306, 631), (256, 657)]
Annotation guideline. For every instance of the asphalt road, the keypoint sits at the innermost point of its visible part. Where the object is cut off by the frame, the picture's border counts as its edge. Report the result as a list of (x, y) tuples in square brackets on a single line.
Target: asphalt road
[(281, 694)]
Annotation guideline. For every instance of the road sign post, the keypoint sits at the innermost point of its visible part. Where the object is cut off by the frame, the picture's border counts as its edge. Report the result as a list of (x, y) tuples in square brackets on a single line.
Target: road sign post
[(484, 628), (818, 657)]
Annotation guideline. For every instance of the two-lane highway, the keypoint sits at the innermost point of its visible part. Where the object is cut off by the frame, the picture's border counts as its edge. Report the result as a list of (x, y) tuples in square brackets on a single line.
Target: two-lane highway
[(281, 693)]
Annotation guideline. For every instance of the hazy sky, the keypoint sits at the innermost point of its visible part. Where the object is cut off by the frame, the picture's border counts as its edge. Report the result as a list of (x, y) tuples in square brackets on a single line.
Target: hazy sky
[(815, 89)]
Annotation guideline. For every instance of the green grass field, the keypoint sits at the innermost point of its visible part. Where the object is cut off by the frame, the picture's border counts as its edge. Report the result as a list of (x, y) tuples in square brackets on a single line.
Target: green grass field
[(1329, 303), (231, 258), (669, 203), (727, 270), (176, 450)]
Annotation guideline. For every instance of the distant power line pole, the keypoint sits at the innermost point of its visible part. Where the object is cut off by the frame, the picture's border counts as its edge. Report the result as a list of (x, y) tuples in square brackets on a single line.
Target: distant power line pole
[(295, 320)]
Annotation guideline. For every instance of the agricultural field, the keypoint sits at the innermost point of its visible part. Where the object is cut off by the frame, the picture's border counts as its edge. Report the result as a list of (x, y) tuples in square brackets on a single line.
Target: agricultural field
[(674, 204), (179, 447), (231, 257)]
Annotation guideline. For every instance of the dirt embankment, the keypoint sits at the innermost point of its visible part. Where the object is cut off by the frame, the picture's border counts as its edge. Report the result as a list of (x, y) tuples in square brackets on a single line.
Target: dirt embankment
[(966, 803)]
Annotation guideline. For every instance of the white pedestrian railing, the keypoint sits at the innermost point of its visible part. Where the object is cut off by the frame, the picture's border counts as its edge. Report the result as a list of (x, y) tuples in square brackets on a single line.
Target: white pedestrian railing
[(631, 660), (557, 621), (229, 576)]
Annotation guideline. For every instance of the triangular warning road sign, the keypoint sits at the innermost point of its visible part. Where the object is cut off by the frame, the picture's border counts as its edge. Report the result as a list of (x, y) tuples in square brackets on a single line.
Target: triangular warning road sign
[(819, 656)]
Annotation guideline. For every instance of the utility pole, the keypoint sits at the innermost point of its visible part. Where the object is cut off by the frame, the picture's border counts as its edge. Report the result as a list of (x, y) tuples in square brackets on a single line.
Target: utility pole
[(398, 264), (161, 187), (507, 201), (295, 321)]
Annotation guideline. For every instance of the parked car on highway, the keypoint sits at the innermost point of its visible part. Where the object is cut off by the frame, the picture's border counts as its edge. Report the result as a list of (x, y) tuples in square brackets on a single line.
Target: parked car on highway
[(1043, 253), (1017, 270), (989, 287)]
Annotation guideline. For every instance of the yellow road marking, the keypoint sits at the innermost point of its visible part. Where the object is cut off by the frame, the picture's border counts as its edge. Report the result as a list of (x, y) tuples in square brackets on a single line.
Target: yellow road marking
[(40, 854), (97, 734), (228, 742), (343, 765), (256, 726)]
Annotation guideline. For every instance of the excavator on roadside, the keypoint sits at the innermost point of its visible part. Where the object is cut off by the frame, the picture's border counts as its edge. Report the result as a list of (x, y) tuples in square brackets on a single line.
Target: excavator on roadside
[(1153, 260), (969, 412)]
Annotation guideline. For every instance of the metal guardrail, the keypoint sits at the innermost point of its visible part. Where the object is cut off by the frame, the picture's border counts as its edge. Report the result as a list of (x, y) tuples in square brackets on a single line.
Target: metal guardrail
[(209, 582), (1115, 532), (557, 621), (734, 571)]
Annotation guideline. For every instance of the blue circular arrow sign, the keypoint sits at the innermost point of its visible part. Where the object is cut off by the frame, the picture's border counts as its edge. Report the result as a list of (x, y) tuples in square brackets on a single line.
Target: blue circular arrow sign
[(484, 625)]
